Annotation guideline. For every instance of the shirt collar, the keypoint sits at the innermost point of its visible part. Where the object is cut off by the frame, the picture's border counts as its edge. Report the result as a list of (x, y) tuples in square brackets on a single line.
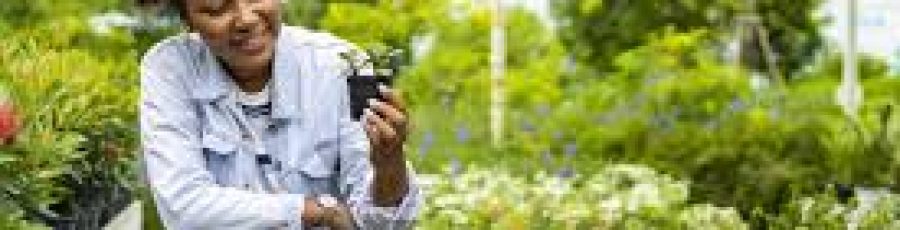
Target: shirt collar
[(212, 81)]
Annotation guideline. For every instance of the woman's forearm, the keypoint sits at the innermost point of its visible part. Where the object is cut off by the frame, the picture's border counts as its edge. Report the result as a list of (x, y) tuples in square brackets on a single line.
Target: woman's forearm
[(390, 185)]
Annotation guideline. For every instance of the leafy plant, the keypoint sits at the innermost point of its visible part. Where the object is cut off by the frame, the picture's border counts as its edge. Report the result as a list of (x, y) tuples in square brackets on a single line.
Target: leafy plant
[(72, 161)]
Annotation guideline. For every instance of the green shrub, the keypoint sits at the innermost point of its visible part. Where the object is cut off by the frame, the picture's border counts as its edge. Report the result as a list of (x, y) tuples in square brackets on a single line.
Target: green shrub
[(673, 105), (79, 127)]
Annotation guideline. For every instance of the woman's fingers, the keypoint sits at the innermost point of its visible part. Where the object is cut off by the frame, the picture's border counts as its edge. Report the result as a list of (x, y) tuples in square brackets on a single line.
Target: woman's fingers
[(393, 98), (394, 117), (383, 131), (371, 131), (386, 122)]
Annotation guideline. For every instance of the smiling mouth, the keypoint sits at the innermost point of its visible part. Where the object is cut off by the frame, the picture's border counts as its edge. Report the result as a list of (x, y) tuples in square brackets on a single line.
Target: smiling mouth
[(249, 46)]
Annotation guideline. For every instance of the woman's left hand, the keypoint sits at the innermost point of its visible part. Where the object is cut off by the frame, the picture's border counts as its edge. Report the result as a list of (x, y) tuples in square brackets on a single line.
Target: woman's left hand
[(386, 124)]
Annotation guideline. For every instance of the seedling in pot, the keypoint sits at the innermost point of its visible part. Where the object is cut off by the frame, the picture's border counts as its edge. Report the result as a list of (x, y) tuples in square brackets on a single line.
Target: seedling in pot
[(366, 73)]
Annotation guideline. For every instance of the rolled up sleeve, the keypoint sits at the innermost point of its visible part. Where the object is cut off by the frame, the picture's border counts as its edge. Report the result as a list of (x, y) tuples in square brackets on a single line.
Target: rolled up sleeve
[(184, 189)]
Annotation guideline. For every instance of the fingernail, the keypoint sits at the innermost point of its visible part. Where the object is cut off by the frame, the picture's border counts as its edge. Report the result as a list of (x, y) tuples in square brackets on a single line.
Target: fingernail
[(373, 102), (368, 113)]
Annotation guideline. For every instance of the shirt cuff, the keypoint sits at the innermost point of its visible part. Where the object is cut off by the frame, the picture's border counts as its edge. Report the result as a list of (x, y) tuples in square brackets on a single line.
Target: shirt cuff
[(408, 207), (370, 216), (292, 211)]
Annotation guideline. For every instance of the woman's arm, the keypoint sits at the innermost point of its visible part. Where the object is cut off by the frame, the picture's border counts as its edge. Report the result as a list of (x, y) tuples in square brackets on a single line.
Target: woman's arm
[(367, 191), (387, 132)]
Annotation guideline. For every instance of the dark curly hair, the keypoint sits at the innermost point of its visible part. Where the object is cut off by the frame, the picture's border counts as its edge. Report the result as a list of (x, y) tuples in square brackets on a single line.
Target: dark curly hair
[(179, 7)]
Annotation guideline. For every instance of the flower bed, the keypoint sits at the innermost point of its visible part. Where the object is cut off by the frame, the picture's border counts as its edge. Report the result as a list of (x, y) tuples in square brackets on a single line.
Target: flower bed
[(619, 196)]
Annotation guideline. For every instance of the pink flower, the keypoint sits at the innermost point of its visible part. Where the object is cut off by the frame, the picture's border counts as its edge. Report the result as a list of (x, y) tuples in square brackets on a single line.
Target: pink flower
[(9, 123)]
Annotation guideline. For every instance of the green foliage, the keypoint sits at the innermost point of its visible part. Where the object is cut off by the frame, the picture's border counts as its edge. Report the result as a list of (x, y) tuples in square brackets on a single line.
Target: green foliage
[(817, 212), (884, 214), (596, 31), (667, 101), (671, 104), (28, 168), (305, 13), (658, 94), (822, 211), (832, 66), (79, 118), (11, 219), (392, 23), (17, 14), (447, 88)]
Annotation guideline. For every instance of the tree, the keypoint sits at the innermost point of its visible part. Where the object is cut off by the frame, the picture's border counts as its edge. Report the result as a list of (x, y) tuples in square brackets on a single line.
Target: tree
[(596, 30)]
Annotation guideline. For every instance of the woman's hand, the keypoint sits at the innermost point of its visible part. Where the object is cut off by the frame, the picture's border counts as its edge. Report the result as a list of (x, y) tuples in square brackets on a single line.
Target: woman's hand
[(339, 218), (386, 124)]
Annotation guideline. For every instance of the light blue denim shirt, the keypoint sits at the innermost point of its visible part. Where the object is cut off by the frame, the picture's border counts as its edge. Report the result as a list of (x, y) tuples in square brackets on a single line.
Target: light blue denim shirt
[(203, 167)]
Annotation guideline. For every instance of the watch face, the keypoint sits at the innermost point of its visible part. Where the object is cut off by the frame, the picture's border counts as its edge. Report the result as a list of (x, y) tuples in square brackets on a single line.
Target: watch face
[(328, 201)]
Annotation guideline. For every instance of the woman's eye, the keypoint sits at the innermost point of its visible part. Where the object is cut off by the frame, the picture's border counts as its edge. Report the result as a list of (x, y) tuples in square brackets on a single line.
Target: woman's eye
[(212, 12), (214, 3), (213, 7)]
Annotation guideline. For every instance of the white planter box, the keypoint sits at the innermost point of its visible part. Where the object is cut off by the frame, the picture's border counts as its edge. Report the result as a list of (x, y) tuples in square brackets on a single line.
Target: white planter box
[(128, 219)]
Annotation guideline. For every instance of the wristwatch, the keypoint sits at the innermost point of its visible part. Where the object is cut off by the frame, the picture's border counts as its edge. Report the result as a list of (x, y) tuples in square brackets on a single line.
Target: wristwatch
[(327, 207), (327, 201)]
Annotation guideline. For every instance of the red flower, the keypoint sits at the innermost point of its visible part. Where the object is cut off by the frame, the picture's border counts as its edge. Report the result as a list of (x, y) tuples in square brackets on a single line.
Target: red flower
[(111, 151), (9, 123)]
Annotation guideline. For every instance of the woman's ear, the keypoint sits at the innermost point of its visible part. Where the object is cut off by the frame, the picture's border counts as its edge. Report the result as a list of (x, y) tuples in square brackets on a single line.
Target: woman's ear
[(186, 25)]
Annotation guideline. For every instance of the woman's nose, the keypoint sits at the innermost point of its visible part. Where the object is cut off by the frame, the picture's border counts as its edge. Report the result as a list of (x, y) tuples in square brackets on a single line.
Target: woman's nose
[(247, 16)]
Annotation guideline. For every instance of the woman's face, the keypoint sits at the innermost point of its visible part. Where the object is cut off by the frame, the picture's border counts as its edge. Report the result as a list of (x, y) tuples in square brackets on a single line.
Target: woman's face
[(240, 32)]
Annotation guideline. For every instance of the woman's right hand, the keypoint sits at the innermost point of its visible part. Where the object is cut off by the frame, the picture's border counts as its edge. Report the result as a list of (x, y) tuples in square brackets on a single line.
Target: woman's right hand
[(339, 218)]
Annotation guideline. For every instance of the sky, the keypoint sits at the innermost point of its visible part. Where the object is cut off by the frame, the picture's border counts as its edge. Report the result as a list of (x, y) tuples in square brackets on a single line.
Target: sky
[(879, 27)]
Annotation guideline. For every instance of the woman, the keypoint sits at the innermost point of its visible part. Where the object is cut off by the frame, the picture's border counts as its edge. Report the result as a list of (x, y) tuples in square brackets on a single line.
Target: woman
[(245, 124)]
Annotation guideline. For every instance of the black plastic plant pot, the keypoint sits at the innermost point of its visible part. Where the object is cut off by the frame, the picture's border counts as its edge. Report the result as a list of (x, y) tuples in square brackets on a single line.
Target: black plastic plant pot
[(90, 206), (844, 192), (363, 87)]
